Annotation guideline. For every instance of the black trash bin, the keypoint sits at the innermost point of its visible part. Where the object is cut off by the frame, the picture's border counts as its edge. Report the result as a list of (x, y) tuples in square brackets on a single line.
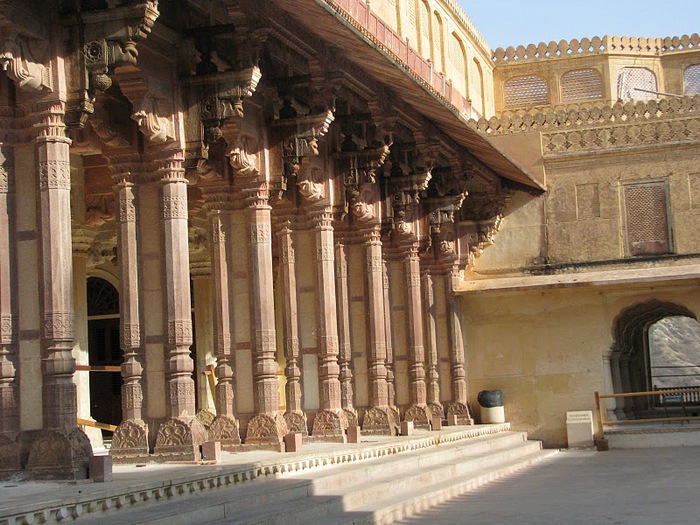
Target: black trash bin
[(491, 405)]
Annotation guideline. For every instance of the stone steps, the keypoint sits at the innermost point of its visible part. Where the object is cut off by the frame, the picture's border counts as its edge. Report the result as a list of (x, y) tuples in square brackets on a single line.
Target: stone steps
[(377, 490)]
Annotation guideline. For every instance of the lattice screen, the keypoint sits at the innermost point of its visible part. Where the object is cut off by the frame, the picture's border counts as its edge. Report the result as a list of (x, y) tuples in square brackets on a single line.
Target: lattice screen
[(438, 42), (646, 208), (526, 91), (411, 11), (631, 79), (581, 85), (692, 80), (457, 64)]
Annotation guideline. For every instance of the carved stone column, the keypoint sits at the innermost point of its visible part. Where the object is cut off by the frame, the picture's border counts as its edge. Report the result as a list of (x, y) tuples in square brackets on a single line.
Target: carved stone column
[(433, 377), (389, 341), (344, 343), (330, 421), (418, 410), (295, 417), (268, 426), (379, 419), (458, 407), (181, 434), (61, 449), (225, 427), (617, 384), (9, 380), (130, 440)]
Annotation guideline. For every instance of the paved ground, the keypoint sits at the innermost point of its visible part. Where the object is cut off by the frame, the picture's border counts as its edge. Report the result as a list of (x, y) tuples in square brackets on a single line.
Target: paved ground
[(643, 486)]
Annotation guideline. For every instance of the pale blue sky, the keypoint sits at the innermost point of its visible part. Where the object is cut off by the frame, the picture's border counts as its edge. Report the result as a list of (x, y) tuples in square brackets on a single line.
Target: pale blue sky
[(512, 22)]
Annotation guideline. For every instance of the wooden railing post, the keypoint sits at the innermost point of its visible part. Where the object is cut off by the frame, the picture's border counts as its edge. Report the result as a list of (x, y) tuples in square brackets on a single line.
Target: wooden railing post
[(599, 408)]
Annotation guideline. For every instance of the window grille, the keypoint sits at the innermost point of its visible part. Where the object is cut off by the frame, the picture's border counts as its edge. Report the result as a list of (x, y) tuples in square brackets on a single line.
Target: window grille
[(424, 20), (102, 297), (692, 80), (636, 83), (526, 91), (646, 211), (411, 7), (581, 85)]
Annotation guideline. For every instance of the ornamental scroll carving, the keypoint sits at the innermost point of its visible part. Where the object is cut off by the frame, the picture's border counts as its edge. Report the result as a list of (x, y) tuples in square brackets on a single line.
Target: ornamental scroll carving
[(155, 128), (18, 59), (360, 179)]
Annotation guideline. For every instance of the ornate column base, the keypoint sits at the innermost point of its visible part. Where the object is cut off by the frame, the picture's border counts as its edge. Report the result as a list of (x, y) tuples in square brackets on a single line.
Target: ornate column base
[(380, 421), (266, 430), (296, 422), (130, 442), (420, 415), (179, 440), (59, 455), (461, 411), (9, 458), (226, 430), (351, 416), (437, 410), (206, 417), (330, 425)]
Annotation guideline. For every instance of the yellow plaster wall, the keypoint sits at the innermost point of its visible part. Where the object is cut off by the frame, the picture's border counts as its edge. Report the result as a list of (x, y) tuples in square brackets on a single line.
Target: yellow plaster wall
[(544, 348)]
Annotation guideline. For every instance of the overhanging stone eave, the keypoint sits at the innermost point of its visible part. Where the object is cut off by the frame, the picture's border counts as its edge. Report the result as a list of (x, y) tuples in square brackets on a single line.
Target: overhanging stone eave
[(356, 46), (644, 277)]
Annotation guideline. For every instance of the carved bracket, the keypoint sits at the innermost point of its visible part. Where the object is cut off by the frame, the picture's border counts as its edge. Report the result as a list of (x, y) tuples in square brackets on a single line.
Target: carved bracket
[(17, 57), (299, 137)]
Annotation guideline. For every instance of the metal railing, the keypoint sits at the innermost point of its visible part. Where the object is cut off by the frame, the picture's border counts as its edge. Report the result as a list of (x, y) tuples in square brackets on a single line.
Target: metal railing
[(672, 398)]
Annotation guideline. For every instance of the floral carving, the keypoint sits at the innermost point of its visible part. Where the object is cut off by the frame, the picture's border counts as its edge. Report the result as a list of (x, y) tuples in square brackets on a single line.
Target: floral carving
[(296, 422), (264, 427), (420, 415), (131, 436), (9, 454), (225, 429)]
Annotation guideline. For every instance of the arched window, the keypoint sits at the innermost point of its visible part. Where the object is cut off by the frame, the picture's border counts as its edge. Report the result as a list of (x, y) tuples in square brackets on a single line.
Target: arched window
[(657, 345), (424, 22), (636, 83), (527, 90), (438, 43), (581, 84), (412, 30), (458, 62), (674, 353), (692, 80), (476, 91)]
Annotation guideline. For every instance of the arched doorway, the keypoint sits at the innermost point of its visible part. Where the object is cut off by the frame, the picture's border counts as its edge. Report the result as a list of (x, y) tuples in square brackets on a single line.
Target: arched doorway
[(104, 350), (657, 345)]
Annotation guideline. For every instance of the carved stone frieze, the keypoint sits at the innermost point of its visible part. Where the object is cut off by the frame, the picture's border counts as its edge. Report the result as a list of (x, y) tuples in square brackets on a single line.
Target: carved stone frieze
[(59, 326), (380, 421), (329, 423)]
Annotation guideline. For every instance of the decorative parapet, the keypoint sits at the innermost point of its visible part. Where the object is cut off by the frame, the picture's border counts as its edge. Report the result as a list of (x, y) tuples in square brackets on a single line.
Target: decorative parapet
[(468, 25), (637, 46), (601, 126)]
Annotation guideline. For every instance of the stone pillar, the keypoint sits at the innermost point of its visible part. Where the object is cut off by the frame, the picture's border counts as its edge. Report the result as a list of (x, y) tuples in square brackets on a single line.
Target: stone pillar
[(9, 380), (130, 440), (181, 434), (378, 418), (268, 426), (347, 394), (83, 237), (330, 420), (61, 449), (204, 340), (294, 417), (617, 384), (431, 350), (458, 407), (389, 340), (225, 427), (418, 411)]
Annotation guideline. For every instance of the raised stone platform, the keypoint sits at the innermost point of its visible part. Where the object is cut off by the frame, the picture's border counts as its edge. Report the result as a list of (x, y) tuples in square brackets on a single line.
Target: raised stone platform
[(146, 488), (653, 435)]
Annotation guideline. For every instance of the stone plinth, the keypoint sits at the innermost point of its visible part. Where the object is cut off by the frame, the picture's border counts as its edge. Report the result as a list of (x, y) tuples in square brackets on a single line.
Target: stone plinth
[(130, 443), (579, 429), (59, 454), (179, 440), (330, 425), (101, 469), (380, 421), (211, 451), (407, 428), (293, 442), (225, 430), (420, 415), (354, 434)]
